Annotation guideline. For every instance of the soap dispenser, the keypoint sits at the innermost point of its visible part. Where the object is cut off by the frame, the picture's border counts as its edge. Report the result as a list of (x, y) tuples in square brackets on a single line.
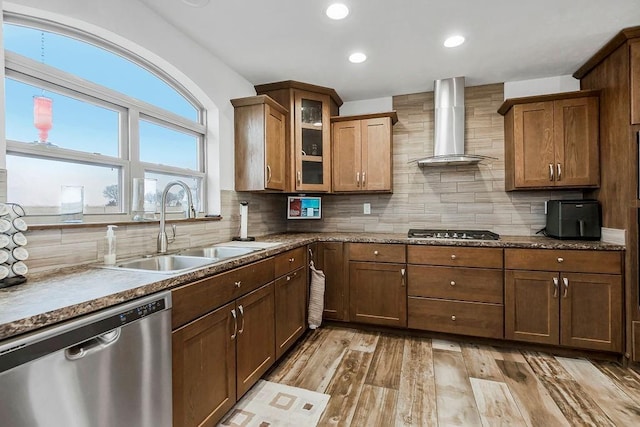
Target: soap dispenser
[(110, 246)]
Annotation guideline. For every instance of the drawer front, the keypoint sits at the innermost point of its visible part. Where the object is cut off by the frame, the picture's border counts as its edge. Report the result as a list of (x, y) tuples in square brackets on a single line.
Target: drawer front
[(288, 261), (456, 317), (377, 252), (195, 299), (466, 284), (564, 260), (455, 256)]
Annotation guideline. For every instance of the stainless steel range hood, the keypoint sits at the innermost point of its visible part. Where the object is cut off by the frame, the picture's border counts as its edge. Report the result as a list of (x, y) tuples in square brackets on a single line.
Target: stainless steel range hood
[(448, 137)]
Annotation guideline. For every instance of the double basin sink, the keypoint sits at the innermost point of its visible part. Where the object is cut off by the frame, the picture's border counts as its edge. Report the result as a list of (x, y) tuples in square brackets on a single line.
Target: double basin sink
[(191, 259)]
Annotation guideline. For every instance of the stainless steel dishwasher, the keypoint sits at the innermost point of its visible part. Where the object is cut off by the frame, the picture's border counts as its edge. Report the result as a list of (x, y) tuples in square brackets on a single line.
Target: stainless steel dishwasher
[(111, 368)]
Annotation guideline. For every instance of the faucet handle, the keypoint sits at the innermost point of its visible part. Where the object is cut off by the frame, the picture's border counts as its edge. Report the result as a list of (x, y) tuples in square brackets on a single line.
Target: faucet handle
[(173, 234)]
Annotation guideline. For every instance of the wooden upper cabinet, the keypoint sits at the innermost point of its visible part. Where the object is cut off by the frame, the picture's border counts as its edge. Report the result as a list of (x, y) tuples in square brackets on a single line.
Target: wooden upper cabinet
[(260, 144), (313, 142), (551, 141), (362, 152), (634, 51), (308, 132)]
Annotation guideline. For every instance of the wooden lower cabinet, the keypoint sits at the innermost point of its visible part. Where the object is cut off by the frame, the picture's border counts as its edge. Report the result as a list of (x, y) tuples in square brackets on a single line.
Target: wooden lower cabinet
[(204, 369), (330, 259), (291, 295), (255, 348), (569, 309), (456, 317), (378, 293), (219, 356)]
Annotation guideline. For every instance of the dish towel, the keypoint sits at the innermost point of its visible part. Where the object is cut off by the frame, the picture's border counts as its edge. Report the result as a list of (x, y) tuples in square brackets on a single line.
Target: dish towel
[(316, 297)]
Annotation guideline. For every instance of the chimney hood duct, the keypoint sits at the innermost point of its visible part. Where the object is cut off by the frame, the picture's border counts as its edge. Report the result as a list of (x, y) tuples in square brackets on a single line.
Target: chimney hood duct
[(448, 137)]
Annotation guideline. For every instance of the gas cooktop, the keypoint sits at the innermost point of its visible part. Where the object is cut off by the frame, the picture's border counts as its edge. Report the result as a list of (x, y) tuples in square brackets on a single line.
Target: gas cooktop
[(452, 234)]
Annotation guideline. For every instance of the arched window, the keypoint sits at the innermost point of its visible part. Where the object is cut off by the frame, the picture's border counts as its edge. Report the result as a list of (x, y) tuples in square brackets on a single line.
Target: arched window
[(116, 120)]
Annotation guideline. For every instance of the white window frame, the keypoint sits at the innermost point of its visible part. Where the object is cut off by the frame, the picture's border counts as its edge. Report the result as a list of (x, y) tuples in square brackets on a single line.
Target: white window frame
[(131, 111)]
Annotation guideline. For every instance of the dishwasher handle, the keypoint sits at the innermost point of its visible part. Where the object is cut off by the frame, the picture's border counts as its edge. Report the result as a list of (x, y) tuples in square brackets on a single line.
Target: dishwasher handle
[(93, 345)]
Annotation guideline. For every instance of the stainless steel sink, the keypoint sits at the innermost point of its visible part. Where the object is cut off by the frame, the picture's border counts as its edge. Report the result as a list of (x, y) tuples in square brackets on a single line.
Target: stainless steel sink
[(168, 264), (218, 252), (189, 259)]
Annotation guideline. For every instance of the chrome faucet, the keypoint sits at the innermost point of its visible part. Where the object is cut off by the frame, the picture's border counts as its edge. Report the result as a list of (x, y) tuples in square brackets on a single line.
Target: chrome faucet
[(163, 241)]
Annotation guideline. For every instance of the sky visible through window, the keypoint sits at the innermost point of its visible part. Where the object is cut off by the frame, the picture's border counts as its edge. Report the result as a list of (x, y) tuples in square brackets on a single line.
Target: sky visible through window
[(82, 125)]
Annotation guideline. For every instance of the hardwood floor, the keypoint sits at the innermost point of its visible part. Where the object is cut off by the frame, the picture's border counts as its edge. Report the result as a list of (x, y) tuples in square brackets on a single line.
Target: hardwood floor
[(380, 379)]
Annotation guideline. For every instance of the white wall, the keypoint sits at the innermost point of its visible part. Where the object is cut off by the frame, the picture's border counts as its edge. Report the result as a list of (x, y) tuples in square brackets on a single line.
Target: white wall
[(540, 86), (134, 26), (366, 106)]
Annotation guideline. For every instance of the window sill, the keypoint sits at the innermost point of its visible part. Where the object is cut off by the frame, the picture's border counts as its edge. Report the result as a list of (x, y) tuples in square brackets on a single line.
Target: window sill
[(118, 223)]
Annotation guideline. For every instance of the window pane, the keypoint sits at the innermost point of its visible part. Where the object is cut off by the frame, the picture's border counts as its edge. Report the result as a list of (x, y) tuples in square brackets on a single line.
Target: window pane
[(97, 65), (77, 125), (176, 200), (35, 183), (164, 146)]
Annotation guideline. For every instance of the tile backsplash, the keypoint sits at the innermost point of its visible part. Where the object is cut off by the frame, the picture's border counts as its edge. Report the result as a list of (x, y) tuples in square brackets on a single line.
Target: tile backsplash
[(471, 197)]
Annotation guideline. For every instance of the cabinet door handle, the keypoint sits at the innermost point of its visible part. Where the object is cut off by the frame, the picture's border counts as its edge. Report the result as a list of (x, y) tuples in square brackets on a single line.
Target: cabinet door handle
[(559, 174), (268, 174), (403, 275), (555, 287), (364, 178), (242, 314), (550, 172), (565, 282), (357, 179), (235, 324), (299, 177)]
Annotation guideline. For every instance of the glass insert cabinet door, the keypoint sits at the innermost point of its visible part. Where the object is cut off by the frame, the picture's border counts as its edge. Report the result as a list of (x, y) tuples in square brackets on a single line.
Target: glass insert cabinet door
[(312, 149)]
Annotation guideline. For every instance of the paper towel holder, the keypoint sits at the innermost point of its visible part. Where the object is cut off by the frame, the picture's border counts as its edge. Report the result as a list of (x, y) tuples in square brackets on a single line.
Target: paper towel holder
[(244, 211)]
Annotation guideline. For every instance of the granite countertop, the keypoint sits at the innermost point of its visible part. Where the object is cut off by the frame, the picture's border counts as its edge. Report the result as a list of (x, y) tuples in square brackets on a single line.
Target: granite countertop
[(58, 296)]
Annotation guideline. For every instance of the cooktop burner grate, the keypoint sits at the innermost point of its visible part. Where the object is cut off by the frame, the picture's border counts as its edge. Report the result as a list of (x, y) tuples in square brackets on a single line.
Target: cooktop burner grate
[(452, 234)]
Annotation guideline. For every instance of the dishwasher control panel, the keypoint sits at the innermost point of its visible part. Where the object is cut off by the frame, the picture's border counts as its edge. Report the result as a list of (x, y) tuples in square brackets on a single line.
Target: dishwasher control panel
[(142, 311)]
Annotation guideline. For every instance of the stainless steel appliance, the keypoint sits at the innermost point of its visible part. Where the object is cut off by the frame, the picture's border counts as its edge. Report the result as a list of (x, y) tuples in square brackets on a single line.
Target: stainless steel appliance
[(111, 368), (573, 219), (452, 234)]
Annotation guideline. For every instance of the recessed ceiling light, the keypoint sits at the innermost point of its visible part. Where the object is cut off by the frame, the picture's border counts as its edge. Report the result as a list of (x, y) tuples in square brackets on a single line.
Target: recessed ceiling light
[(357, 57), (196, 3), (337, 11), (454, 41)]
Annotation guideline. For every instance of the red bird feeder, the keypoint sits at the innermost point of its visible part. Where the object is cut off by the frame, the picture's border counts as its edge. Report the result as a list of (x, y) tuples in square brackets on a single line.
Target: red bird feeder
[(43, 116)]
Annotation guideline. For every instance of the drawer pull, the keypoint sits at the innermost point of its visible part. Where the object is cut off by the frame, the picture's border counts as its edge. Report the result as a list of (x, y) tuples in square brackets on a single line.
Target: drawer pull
[(453, 318), (453, 257), (453, 283), (376, 252), (238, 283), (560, 259), (291, 259)]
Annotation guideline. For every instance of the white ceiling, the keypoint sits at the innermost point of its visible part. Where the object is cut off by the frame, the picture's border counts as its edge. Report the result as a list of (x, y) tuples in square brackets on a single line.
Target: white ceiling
[(507, 40)]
